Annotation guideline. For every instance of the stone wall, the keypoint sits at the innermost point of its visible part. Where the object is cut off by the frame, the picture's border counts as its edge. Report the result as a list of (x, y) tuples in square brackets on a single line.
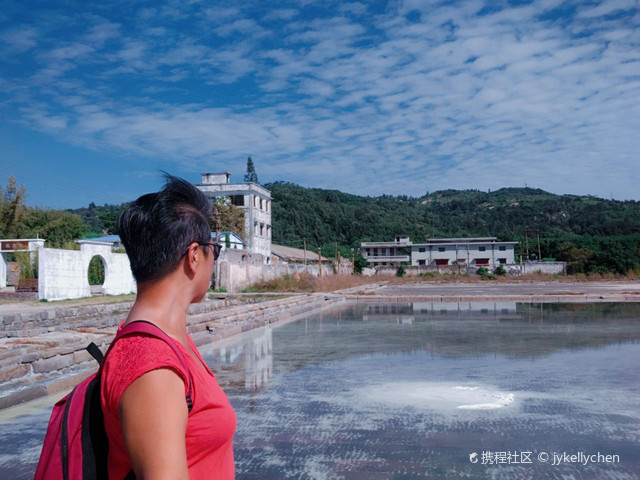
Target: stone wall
[(63, 274), (550, 268)]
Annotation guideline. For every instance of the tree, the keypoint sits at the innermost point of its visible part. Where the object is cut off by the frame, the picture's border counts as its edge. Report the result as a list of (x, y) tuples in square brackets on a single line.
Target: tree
[(227, 217), (359, 262), (12, 208), (57, 227), (251, 175)]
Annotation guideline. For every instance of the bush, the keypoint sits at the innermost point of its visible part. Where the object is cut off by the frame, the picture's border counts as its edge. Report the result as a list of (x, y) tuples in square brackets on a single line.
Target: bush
[(428, 275), (401, 271), (27, 269), (482, 271), (359, 262), (96, 271), (501, 270)]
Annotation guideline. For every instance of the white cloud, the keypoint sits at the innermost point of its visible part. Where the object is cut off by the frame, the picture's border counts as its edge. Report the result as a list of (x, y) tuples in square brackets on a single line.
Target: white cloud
[(21, 40), (449, 99)]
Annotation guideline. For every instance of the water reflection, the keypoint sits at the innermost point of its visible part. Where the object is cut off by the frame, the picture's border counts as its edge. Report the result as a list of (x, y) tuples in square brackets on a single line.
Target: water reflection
[(247, 362), (408, 391), (411, 390)]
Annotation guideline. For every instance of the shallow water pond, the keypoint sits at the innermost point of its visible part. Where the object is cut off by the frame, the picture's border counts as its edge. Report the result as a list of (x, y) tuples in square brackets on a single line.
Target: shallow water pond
[(423, 390)]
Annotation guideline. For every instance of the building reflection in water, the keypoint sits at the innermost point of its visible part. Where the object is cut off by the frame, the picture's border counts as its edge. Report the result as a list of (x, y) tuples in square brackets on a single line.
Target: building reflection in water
[(251, 359), (407, 313)]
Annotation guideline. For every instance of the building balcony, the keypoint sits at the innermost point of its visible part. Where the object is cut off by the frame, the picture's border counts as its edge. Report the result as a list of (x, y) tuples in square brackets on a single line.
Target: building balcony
[(388, 258)]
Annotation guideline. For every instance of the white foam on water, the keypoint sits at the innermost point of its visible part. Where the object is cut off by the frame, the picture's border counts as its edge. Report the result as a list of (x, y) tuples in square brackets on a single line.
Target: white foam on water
[(437, 395)]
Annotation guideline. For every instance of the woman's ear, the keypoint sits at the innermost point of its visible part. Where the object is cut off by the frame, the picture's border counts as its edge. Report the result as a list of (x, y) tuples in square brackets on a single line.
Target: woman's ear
[(191, 259)]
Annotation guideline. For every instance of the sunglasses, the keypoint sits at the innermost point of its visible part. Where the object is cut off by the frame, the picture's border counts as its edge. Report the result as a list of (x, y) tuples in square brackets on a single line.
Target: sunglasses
[(216, 248)]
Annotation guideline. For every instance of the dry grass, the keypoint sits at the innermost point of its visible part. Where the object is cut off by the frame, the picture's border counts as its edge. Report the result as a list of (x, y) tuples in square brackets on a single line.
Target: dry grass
[(435, 277), (340, 282), (298, 282), (95, 300), (305, 282)]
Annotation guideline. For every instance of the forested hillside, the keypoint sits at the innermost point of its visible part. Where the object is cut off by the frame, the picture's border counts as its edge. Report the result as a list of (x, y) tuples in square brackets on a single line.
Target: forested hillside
[(594, 235)]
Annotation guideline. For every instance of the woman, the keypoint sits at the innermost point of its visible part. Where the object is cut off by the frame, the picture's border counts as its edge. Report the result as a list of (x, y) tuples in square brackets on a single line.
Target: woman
[(151, 432)]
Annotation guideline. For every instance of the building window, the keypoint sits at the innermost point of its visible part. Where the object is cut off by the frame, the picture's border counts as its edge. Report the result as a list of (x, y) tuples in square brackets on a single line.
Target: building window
[(482, 261), (441, 249), (237, 200), (262, 229), (422, 249), (421, 262), (482, 249), (502, 261), (441, 262), (502, 248), (375, 252)]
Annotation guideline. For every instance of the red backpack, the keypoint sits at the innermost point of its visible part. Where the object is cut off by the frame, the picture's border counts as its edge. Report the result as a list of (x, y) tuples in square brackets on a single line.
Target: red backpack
[(76, 445)]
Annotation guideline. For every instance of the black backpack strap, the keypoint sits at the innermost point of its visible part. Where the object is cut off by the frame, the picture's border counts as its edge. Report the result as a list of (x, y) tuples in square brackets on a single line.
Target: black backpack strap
[(95, 352)]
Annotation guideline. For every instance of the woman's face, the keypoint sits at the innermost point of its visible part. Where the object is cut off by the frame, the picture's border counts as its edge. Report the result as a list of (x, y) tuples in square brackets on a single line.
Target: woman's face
[(208, 265)]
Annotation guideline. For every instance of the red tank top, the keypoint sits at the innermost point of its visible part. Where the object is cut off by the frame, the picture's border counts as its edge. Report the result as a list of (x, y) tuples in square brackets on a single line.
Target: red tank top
[(211, 423)]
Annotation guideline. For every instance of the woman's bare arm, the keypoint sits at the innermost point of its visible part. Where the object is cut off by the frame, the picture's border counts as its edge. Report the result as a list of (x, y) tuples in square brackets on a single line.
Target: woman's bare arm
[(153, 417)]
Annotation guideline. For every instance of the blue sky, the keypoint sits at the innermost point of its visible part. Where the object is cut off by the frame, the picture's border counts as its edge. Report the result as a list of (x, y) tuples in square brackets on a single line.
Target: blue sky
[(398, 97)]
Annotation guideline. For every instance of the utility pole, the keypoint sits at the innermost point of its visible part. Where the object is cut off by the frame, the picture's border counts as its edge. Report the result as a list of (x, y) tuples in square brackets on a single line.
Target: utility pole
[(319, 263), (338, 269), (539, 251), (526, 243), (305, 253), (353, 264)]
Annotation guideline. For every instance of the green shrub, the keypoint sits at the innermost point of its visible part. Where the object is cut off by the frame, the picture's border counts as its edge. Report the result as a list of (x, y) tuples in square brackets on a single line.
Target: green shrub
[(359, 262), (501, 270), (482, 271), (401, 271), (96, 271)]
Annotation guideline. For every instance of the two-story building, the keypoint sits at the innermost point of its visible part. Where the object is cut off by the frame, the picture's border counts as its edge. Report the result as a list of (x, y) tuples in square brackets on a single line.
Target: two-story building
[(440, 252), (472, 252), (385, 254)]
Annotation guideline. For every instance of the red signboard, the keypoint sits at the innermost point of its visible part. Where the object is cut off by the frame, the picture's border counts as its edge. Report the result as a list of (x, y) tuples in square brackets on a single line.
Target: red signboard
[(15, 245)]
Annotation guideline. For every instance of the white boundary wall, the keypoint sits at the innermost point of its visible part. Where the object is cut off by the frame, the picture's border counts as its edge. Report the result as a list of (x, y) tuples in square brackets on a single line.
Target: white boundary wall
[(64, 274), (239, 269)]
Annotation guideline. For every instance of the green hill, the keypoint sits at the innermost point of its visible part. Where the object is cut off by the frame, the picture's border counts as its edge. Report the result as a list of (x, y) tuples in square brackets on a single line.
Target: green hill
[(592, 234)]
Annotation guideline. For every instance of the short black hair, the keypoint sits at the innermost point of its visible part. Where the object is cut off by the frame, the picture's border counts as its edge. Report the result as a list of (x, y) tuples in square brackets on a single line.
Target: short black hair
[(158, 227)]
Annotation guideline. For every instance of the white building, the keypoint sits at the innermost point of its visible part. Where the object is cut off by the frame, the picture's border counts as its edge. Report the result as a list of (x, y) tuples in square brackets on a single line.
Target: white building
[(473, 252), (254, 199), (383, 254), (235, 241), (441, 252)]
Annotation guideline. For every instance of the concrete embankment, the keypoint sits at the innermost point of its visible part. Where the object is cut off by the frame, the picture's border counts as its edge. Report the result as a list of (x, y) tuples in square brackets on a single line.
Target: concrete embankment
[(42, 353)]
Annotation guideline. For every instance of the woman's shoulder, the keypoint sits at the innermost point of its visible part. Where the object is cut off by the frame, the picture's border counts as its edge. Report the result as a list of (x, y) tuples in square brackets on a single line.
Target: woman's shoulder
[(132, 357)]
